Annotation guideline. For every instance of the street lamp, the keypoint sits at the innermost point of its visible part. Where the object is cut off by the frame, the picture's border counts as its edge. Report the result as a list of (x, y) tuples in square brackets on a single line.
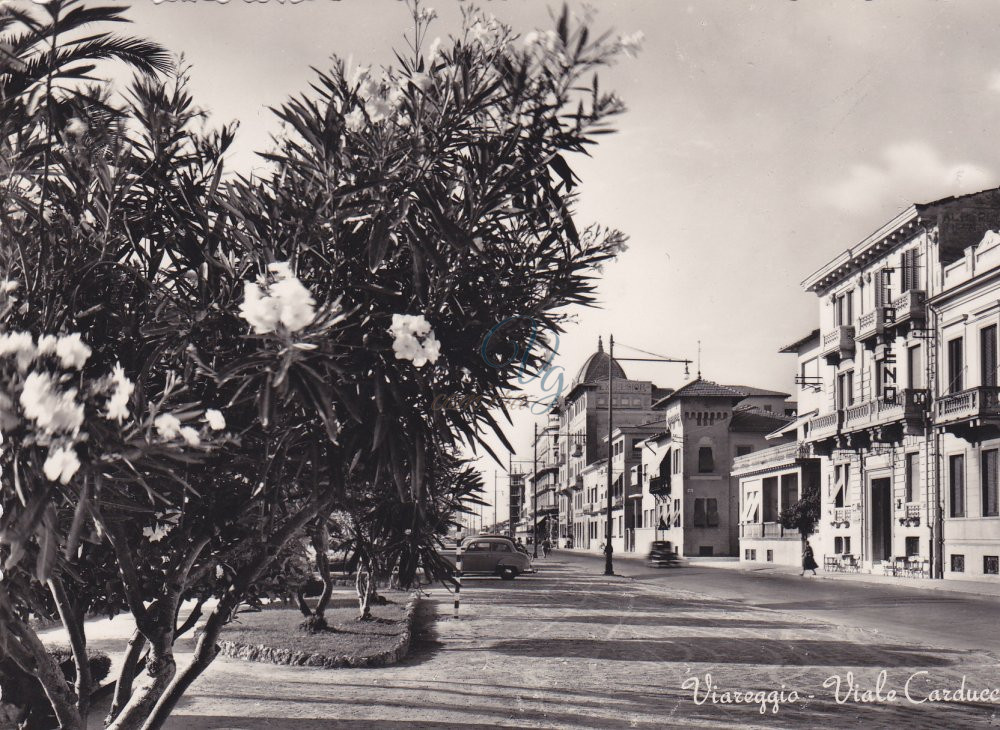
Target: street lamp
[(609, 568)]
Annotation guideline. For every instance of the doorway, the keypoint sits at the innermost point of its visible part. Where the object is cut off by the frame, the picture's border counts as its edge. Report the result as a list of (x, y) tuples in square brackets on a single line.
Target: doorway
[(881, 513)]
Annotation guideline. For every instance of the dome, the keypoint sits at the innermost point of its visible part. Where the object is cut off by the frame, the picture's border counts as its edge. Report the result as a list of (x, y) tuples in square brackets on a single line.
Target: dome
[(595, 368)]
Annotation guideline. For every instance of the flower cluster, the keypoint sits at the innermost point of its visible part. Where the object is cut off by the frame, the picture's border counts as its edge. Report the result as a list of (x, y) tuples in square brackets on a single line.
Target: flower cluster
[(279, 299), (35, 393), (413, 339)]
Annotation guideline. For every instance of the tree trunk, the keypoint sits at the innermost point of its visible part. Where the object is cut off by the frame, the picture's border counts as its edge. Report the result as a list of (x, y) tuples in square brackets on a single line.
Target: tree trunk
[(321, 544), (130, 666), (72, 620), (204, 654), (363, 584), (61, 696), (300, 600), (162, 668)]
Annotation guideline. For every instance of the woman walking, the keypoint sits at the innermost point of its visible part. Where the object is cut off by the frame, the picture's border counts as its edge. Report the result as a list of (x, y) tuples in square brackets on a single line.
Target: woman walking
[(808, 561)]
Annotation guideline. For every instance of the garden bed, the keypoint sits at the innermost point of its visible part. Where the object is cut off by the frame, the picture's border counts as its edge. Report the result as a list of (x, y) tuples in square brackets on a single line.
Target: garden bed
[(273, 636)]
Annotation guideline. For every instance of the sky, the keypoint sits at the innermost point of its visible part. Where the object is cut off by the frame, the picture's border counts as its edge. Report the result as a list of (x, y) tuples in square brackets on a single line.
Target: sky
[(762, 139)]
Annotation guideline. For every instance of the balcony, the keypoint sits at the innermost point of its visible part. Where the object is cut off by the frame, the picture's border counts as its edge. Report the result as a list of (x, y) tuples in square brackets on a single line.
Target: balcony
[(838, 343), (968, 409), (907, 408), (870, 325), (659, 486), (824, 426), (752, 530), (909, 307), (775, 456), (842, 516)]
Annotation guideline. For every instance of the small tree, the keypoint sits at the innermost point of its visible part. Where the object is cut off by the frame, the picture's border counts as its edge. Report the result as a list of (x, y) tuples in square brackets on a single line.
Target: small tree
[(804, 515)]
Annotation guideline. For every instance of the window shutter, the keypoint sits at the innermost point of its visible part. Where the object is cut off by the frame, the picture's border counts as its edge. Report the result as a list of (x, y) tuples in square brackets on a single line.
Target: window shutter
[(699, 513), (713, 512)]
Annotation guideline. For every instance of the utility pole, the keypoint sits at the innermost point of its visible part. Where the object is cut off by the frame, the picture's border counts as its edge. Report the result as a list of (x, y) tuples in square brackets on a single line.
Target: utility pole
[(534, 491), (496, 505), (653, 357), (609, 568)]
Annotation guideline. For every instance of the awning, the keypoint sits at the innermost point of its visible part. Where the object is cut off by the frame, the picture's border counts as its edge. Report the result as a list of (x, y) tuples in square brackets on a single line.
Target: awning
[(792, 426)]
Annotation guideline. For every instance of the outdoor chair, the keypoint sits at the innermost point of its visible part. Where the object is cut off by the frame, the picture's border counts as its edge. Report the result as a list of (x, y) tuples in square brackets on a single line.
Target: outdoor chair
[(831, 563), (850, 563)]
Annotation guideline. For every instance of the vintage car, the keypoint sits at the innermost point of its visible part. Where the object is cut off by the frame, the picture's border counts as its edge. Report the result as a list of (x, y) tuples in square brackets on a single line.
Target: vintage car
[(491, 556), (662, 555)]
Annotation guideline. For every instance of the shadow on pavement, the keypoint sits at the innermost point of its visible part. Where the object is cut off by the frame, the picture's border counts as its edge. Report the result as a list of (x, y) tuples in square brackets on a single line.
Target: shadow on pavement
[(701, 649)]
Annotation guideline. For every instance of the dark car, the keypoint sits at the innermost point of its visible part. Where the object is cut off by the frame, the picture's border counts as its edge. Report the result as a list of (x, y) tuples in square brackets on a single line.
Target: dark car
[(491, 555), (662, 555)]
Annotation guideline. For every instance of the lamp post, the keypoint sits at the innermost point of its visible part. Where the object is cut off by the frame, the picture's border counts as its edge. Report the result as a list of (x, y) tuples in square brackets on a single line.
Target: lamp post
[(534, 494), (609, 568)]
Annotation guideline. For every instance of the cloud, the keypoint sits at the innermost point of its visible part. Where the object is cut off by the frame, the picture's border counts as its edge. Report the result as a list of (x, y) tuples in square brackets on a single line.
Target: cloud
[(910, 172)]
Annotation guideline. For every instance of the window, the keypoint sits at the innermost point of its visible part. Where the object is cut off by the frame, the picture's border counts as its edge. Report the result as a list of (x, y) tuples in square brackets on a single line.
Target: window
[(956, 471), (770, 556), (789, 490), (706, 462), (838, 545), (744, 450), (988, 354), (955, 365), (769, 499), (989, 483), (746, 554), (847, 545), (478, 547), (910, 476), (699, 512), (843, 313), (991, 565), (707, 551), (501, 547), (909, 272), (957, 563), (845, 389), (912, 547), (914, 368), (712, 512)]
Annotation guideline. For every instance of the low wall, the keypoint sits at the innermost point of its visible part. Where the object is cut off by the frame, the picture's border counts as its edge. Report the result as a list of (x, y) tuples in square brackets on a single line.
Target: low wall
[(783, 552)]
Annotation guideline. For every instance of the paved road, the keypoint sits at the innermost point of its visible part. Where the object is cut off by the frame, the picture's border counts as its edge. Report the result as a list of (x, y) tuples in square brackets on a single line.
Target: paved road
[(570, 648), (936, 617)]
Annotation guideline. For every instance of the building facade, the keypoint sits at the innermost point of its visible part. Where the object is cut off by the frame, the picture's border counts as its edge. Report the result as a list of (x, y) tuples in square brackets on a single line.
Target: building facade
[(905, 341), (690, 496)]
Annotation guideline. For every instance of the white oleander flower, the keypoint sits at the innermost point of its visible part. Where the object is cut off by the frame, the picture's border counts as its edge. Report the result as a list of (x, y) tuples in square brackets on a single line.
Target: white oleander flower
[(52, 410), (72, 351), (20, 346), (117, 406), (378, 109), (216, 421), (47, 345), (285, 300), (190, 436), (354, 120), (61, 464), (167, 426), (413, 339)]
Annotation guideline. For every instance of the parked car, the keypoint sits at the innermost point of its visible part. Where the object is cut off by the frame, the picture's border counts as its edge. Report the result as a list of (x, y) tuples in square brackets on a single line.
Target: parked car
[(491, 555), (662, 555)]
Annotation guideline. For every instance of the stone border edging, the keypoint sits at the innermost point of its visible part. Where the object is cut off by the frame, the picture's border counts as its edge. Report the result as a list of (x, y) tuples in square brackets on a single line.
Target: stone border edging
[(270, 655)]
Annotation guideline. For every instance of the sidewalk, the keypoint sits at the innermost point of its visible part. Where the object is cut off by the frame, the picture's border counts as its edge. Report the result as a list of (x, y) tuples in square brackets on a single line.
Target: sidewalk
[(972, 587)]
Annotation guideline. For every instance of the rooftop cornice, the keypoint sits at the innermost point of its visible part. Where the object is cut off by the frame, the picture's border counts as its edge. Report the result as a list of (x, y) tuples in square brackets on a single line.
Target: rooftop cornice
[(896, 231)]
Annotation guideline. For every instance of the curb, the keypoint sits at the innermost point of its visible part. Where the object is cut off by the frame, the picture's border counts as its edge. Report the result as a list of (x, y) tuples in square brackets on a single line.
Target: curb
[(269, 655)]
